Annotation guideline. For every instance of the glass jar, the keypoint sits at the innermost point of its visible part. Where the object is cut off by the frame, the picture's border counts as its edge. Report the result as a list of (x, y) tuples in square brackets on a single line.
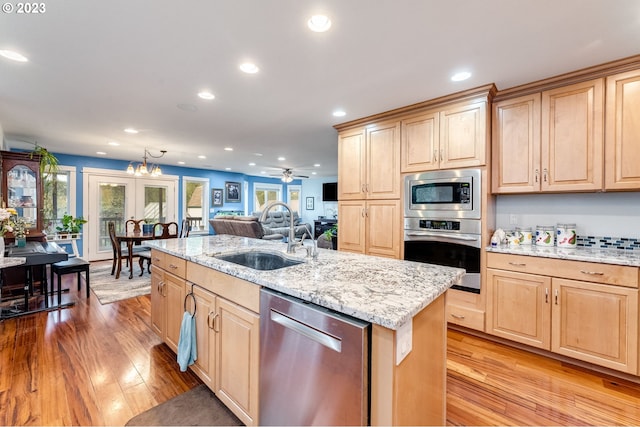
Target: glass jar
[(545, 235), (525, 235), (566, 235)]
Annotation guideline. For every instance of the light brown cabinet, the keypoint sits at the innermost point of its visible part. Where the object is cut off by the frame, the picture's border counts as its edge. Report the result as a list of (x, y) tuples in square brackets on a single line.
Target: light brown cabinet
[(453, 136), (167, 297), (622, 171), (551, 141), (227, 338), (369, 162), (374, 227), (586, 311)]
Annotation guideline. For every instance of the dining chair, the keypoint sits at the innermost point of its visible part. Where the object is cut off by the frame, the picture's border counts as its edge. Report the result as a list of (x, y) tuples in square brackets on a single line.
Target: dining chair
[(165, 230), (119, 252), (133, 225)]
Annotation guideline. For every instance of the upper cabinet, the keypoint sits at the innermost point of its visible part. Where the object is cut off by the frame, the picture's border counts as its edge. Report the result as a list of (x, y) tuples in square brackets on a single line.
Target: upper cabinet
[(22, 188), (622, 164), (453, 136), (369, 162), (550, 141)]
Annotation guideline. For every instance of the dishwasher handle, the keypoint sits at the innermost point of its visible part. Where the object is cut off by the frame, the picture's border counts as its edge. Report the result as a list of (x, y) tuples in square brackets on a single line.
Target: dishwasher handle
[(306, 330)]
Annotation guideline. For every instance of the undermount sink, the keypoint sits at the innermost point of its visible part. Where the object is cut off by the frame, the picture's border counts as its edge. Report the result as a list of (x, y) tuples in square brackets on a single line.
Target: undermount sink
[(260, 260)]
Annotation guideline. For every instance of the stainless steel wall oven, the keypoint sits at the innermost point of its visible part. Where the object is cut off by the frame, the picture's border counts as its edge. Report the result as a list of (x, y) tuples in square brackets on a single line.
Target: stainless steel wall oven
[(442, 221)]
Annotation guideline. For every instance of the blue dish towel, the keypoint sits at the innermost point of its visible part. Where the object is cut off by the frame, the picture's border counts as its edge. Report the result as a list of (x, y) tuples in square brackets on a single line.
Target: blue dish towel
[(187, 349)]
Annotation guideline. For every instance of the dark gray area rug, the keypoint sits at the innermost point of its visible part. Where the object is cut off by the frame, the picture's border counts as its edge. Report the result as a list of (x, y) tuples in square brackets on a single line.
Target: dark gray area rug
[(196, 407)]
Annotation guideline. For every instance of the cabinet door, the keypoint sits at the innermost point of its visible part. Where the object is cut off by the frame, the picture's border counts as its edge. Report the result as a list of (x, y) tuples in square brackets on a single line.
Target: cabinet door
[(352, 233), (157, 302), (572, 137), (463, 135), (383, 165), (238, 357), (518, 307), (204, 365), (622, 167), (596, 323), (516, 145), (383, 228), (352, 156), (174, 291), (420, 143)]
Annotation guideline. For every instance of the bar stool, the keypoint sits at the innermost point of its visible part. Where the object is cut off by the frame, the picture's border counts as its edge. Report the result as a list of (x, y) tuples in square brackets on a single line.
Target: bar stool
[(72, 265)]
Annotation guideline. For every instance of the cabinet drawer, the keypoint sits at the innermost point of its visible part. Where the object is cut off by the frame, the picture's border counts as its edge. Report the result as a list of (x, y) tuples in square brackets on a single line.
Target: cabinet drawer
[(241, 292), (465, 316), (169, 263), (609, 274)]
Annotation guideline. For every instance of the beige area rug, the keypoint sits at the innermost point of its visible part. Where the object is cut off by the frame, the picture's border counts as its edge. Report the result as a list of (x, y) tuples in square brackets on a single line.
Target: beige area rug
[(108, 289), (196, 407)]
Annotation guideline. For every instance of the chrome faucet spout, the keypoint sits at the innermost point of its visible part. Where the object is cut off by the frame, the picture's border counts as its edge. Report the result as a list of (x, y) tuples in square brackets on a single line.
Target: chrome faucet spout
[(291, 244)]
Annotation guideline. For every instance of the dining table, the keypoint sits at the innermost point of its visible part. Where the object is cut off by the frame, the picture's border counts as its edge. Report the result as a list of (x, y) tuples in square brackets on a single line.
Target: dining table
[(131, 239)]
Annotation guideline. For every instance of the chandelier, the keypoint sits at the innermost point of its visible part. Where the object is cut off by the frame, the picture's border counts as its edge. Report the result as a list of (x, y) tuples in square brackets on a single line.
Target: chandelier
[(143, 169)]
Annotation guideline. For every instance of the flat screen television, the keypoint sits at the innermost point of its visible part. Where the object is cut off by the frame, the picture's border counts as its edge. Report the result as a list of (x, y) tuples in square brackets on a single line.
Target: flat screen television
[(330, 192)]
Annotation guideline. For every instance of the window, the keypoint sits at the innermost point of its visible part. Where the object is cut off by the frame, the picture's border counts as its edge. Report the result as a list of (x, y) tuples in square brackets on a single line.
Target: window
[(58, 200), (294, 198), (196, 203), (263, 194)]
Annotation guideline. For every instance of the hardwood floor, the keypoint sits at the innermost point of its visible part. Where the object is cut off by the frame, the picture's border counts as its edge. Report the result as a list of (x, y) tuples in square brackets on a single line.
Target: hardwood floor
[(90, 364), (98, 364)]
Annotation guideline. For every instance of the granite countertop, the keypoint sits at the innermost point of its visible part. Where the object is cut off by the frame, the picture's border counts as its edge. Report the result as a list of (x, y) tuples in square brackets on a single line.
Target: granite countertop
[(604, 256), (383, 291)]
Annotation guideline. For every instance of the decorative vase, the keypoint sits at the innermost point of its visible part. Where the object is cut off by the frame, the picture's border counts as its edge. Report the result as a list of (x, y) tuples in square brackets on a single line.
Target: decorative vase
[(21, 242)]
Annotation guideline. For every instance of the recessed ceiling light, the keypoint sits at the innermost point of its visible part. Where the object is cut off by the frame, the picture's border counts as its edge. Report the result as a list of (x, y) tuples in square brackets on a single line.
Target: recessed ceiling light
[(131, 131), (202, 156), (463, 75), (227, 169), (249, 68), (257, 154), (319, 23), (252, 164), (228, 149), (206, 95), (101, 153), (314, 173), (113, 143), (263, 172), (339, 113), (282, 159), (14, 56), (181, 162), (317, 165)]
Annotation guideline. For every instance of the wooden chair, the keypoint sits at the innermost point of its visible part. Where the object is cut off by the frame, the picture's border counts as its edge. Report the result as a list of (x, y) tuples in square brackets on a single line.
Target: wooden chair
[(165, 230), (133, 225), (72, 265), (119, 252)]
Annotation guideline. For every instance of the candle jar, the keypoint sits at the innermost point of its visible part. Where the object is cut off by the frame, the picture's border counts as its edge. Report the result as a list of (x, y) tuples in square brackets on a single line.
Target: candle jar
[(545, 235), (566, 235)]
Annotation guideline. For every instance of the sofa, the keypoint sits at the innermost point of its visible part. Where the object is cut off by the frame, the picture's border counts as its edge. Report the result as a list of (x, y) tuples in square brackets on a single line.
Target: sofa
[(236, 225), (277, 222)]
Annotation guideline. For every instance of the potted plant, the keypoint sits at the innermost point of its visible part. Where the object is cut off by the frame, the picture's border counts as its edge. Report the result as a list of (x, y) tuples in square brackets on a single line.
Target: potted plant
[(70, 225), (332, 235)]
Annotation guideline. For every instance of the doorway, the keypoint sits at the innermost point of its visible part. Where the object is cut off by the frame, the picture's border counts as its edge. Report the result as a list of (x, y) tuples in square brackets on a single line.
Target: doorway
[(118, 197)]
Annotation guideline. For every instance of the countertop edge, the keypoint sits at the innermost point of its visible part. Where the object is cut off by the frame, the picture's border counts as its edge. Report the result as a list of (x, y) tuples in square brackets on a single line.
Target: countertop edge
[(595, 255)]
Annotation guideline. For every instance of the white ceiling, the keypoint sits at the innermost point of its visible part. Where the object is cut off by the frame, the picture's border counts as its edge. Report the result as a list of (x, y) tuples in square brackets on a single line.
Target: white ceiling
[(96, 67)]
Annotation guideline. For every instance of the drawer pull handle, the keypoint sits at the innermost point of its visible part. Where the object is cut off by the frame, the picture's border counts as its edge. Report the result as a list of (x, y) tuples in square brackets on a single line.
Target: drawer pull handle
[(155, 260), (457, 316), (518, 264), (546, 295), (173, 266), (592, 273)]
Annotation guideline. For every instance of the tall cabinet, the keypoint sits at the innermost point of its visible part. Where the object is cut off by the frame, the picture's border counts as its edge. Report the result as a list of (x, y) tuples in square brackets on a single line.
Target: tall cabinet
[(22, 189)]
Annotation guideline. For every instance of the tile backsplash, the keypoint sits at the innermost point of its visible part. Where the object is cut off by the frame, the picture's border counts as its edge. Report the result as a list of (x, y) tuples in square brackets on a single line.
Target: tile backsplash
[(603, 242)]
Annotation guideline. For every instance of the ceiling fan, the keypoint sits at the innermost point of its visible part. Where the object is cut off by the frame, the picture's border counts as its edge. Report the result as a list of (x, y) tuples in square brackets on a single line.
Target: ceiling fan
[(288, 176)]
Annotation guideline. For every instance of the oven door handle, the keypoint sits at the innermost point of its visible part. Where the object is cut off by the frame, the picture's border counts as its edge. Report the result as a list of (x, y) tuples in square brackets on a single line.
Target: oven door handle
[(445, 235)]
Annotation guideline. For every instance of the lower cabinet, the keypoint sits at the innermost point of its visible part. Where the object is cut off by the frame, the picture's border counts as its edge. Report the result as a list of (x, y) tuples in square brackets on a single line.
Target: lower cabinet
[(167, 298), (593, 322)]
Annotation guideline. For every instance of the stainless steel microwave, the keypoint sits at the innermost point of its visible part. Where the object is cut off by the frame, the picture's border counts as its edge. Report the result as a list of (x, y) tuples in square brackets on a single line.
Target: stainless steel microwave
[(443, 194)]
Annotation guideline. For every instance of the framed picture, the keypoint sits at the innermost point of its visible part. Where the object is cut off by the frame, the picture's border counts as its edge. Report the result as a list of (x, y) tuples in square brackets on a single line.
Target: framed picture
[(310, 203), (216, 197), (232, 192)]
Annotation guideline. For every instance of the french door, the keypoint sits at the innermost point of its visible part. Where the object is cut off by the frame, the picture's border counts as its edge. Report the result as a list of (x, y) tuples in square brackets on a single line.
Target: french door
[(119, 197)]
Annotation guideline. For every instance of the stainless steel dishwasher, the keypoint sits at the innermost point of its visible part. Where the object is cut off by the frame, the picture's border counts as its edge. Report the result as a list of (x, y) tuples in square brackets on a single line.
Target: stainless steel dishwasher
[(314, 364)]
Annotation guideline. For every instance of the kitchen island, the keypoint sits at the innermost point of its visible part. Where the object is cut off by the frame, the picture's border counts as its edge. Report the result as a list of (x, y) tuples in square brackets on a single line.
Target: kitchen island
[(403, 300)]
